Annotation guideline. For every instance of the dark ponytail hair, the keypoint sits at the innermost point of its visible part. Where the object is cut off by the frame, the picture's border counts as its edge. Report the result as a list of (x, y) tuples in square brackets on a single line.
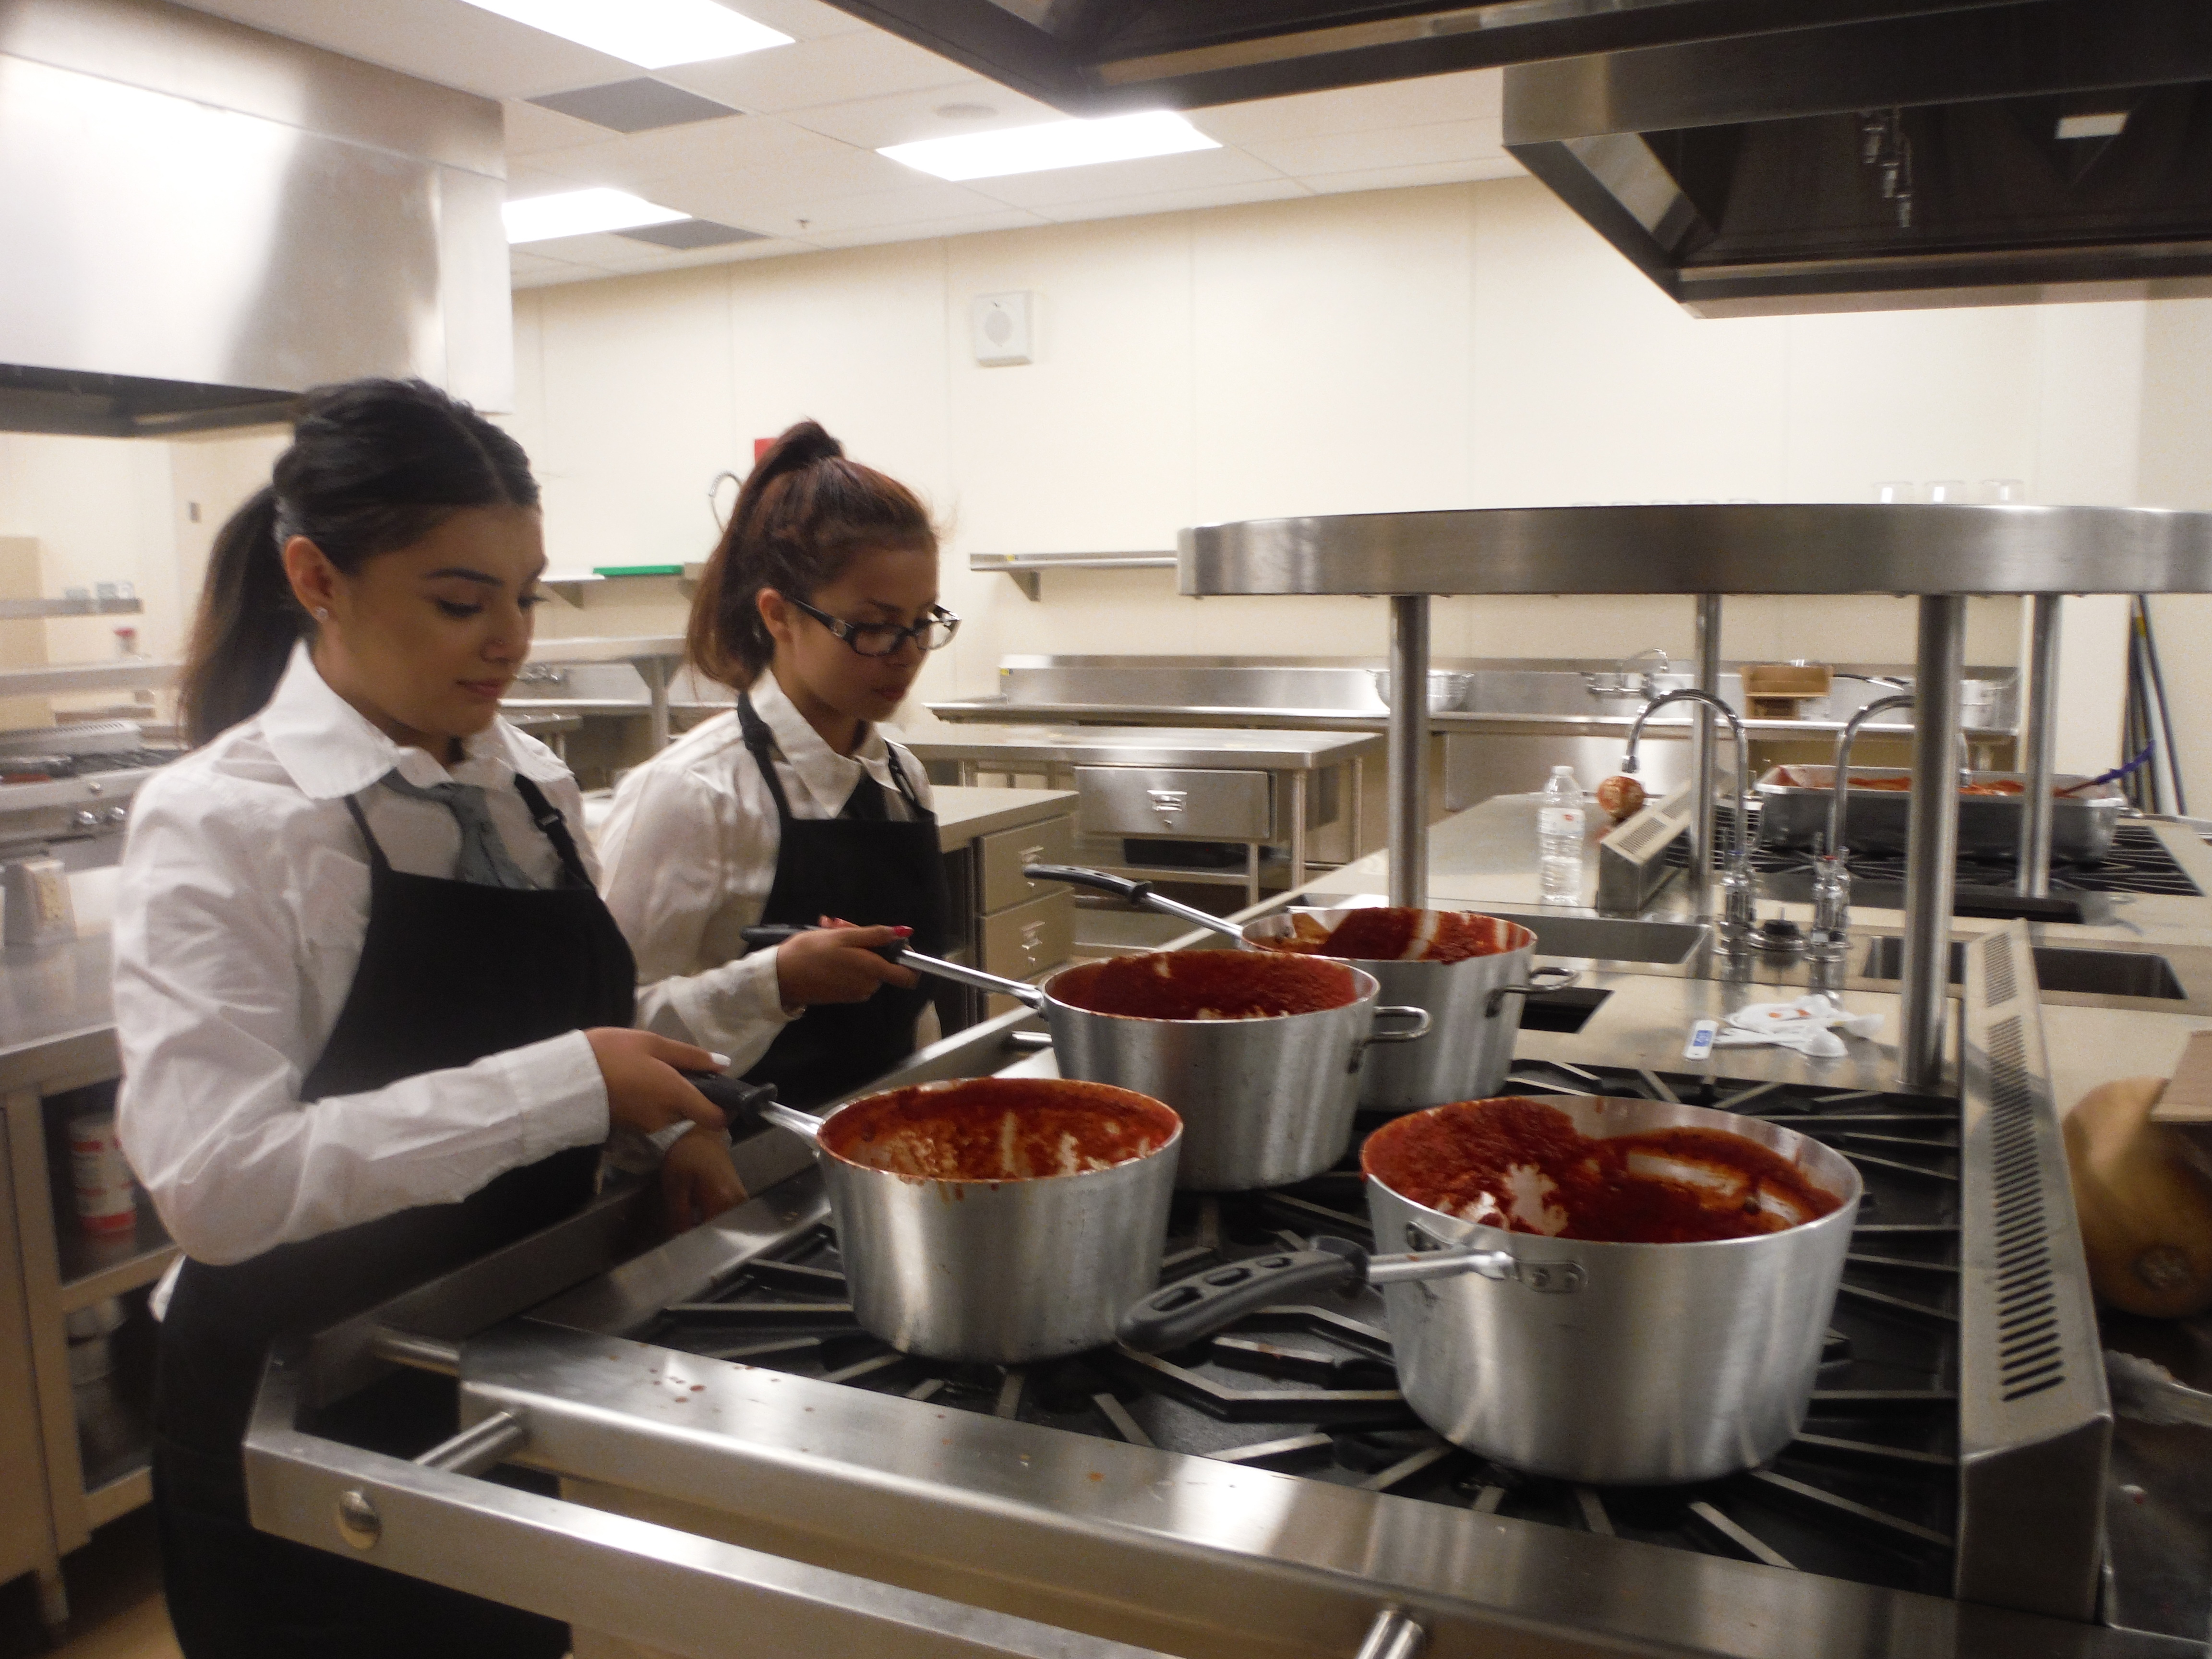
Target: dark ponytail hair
[(374, 465), (802, 515)]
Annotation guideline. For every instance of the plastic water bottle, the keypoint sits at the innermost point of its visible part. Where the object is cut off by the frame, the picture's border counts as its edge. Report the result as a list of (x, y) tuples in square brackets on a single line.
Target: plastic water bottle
[(1560, 839)]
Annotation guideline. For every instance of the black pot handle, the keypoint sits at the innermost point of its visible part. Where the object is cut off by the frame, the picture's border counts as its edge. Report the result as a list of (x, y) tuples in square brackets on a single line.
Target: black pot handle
[(739, 1100), (776, 932), (1179, 1314), (1562, 977), (1120, 886)]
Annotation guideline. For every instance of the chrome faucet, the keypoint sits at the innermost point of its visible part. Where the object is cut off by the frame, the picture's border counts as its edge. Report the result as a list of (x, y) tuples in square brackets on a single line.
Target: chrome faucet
[(1651, 680), (1832, 875), (1738, 921)]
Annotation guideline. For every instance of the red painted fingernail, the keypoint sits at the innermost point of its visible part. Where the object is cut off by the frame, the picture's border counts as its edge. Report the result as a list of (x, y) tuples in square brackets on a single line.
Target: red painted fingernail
[(904, 932)]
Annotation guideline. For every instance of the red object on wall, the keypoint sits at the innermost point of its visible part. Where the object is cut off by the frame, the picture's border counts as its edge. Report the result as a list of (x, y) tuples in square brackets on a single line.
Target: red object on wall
[(760, 448)]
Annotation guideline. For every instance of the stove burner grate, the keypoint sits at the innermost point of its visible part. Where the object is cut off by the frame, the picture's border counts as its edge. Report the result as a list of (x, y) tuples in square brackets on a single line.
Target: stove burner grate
[(2138, 863), (1866, 1492)]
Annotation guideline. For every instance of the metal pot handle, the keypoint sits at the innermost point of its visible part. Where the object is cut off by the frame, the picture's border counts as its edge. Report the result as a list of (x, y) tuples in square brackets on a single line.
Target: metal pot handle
[(740, 1100), (1177, 1314), (1561, 978), (1420, 1017), (1137, 892), (776, 933)]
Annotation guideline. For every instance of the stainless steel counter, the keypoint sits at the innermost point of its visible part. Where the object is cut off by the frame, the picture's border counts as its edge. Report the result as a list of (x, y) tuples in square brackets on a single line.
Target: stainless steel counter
[(1148, 745)]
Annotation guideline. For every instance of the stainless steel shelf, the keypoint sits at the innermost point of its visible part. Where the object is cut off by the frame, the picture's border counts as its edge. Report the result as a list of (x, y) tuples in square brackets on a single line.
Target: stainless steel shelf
[(125, 674), (1749, 548), (1028, 569)]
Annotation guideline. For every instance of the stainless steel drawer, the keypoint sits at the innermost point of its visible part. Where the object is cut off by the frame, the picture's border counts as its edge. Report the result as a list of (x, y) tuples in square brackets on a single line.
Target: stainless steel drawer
[(1023, 942), (1002, 856), (1139, 800)]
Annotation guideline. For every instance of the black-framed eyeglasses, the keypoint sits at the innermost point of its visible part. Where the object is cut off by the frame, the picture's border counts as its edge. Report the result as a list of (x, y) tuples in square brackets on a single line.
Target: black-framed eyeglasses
[(933, 633)]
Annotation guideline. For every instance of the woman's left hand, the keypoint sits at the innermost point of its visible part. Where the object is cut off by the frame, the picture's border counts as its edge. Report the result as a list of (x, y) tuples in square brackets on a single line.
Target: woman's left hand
[(698, 1182)]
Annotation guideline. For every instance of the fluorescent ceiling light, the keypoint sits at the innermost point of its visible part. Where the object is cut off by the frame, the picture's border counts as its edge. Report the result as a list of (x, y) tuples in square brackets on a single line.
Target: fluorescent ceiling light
[(1053, 144), (580, 212), (2106, 124), (651, 34)]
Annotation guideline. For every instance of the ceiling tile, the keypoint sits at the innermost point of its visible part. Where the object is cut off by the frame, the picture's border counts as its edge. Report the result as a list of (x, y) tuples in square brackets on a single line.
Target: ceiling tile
[(1004, 219), (1404, 147), (554, 275), (736, 144), (802, 20), (447, 41), (531, 130), (1175, 201), (866, 64), (1467, 95), (1105, 180), (930, 202), (1435, 173), (903, 116), (775, 197), (522, 264), (639, 104)]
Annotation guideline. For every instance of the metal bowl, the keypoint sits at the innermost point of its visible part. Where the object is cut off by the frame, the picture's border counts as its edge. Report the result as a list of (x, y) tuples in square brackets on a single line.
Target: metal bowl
[(1447, 689)]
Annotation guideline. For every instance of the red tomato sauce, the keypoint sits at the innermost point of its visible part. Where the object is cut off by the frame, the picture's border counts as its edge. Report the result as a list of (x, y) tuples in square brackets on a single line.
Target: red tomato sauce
[(1521, 1165), (1205, 985), (1389, 933), (999, 1129)]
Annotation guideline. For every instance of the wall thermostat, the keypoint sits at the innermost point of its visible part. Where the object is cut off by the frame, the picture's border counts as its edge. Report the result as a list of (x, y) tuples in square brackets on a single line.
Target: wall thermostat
[(1000, 327)]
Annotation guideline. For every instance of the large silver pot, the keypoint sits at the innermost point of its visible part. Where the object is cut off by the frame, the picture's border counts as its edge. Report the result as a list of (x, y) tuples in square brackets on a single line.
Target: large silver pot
[(1603, 1363), (1005, 1271), (1264, 1101), (1474, 1007)]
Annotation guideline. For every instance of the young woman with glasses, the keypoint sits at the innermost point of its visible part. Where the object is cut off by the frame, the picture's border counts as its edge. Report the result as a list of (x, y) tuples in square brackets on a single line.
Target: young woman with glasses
[(816, 607)]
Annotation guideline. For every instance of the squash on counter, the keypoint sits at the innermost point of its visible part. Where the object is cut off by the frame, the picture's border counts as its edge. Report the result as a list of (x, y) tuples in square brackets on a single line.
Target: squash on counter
[(2144, 1202)]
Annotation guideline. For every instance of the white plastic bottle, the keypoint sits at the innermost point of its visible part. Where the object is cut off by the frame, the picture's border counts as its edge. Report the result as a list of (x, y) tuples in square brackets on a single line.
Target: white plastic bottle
[(1560, 839)]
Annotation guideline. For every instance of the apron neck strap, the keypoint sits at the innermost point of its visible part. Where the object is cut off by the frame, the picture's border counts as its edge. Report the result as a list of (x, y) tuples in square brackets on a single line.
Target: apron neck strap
[(543, 813), (761, 742)]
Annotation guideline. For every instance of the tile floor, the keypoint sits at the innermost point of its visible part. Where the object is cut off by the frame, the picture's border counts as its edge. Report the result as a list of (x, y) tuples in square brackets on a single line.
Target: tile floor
[(115, 1601)]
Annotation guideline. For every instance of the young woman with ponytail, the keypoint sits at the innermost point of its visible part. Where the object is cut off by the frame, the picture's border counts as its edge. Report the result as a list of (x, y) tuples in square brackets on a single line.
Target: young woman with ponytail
[(816, 608), (374, 1020)]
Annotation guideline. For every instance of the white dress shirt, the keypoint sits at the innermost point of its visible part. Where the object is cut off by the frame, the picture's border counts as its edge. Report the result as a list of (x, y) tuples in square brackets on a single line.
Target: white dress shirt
[(690, 851), (239, 912)]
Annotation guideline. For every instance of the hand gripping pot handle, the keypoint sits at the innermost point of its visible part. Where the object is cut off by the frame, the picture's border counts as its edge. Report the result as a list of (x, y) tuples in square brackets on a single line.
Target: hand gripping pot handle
[(1177, 1314), (1540, 980), (959, 974), (741, 1101)]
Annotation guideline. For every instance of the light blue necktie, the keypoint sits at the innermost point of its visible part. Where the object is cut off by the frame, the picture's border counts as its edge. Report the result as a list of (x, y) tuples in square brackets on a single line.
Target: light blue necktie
[(483, 858)]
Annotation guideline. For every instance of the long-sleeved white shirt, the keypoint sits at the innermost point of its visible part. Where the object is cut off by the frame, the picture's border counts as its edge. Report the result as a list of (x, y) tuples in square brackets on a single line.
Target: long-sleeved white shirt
[(690, 851), (239, 912)]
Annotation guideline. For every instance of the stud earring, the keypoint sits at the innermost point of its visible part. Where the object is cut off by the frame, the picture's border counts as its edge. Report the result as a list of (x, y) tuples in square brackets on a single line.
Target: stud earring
[(322, 615)]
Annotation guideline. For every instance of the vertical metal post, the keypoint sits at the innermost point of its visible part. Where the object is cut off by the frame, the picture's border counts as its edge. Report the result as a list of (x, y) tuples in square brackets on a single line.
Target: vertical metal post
[(1704, 749), (654, 672), (1409, 748), (2040, 713), (1299, 798), (1931, 841)]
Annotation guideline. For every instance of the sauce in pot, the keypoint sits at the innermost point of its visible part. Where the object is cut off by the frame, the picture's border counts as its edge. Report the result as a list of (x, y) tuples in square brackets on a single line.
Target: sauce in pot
[(999, 1129), (1205, 985), (1397, 932), (1523, 1166)]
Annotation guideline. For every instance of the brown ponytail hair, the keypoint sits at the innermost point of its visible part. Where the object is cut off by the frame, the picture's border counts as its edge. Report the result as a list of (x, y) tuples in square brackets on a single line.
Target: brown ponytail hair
[(803, 514), (374, 465)]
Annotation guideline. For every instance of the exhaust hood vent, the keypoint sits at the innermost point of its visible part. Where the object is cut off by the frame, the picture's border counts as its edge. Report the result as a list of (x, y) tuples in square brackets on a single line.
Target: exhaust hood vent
[(1872, 154), (203, 221)]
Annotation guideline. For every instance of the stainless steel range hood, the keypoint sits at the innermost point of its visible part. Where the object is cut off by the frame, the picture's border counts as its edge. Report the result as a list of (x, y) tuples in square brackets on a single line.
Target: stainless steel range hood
[(1747, 156), (199, 222)]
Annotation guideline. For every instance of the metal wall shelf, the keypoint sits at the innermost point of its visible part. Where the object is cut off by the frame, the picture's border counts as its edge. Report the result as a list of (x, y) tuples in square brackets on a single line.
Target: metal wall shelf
[(123, 674), (17, 610), (1028, 569)]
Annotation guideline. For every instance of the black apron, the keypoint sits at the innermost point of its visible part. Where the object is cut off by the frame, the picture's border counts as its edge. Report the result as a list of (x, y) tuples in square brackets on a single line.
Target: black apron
[(450, 972), (860, 867)]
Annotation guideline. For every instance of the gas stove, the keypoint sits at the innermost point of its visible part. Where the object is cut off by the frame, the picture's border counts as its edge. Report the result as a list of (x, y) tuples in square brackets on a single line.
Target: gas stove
[(1867, 1493), (733, 1455)]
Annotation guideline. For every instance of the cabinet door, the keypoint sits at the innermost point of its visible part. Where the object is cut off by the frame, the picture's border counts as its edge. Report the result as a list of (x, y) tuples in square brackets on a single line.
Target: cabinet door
[(26, 1528), (1051, 841)]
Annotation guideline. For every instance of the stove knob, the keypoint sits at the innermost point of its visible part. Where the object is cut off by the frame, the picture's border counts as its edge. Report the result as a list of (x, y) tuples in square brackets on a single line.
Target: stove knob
[(82, 819), (118, 815)]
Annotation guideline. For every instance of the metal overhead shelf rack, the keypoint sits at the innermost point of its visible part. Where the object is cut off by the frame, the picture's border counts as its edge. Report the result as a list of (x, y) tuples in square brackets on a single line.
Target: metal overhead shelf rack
[(18, 610), (1941, 555)]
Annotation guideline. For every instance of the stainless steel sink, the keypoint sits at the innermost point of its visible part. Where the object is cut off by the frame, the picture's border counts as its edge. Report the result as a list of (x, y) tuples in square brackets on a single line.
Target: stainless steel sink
[(2089, 973), (1608, 939)]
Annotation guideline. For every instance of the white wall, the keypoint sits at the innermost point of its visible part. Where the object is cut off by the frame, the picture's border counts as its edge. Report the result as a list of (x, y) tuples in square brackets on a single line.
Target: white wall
[(1459, 345)]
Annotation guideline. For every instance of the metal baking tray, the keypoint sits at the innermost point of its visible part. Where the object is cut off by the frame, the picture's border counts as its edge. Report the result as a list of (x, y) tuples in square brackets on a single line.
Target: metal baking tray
[(1793, 813)]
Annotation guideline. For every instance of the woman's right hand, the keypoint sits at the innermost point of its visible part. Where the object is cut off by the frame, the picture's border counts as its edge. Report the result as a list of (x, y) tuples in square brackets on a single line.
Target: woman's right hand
[(645, 1089), (837, 963)]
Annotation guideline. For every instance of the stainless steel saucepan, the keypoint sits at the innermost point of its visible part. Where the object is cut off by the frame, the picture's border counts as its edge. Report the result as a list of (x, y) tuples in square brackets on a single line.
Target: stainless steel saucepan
[(995, 1219), (1264, 1100), (1611, 1364), (1476, 1003)]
